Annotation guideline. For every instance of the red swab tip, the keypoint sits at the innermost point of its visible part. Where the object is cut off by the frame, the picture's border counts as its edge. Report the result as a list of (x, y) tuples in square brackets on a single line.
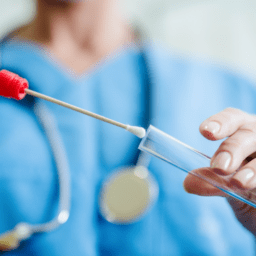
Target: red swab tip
[(12, 85)]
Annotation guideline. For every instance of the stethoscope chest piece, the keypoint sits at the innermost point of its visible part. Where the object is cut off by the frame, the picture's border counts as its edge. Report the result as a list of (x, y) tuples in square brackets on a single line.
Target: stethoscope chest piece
[(128, 194)]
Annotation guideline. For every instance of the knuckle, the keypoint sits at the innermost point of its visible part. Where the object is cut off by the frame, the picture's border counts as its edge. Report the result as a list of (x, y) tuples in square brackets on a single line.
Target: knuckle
[(234, 111), (230, 109), (244, 140), (250, 128), (230, 143), (229, 115)]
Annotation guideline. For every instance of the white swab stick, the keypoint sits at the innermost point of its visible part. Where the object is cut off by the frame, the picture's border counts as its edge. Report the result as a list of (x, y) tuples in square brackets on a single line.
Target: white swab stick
[(138, 131)]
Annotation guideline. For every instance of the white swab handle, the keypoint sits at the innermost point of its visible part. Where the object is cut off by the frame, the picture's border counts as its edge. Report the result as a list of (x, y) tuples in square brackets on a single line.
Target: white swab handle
[(138, 131)]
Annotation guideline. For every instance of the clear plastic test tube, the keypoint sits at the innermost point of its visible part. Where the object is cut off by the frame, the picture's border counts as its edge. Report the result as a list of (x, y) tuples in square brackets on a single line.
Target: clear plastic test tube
[(185, 158)]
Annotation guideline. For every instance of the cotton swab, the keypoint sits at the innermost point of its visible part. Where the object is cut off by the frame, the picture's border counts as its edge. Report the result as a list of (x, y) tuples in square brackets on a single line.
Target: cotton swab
[(13, 86), (138, 131)]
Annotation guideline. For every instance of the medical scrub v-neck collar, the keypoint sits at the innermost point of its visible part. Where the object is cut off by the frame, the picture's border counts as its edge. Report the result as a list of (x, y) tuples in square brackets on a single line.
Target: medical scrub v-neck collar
[(110, 60)]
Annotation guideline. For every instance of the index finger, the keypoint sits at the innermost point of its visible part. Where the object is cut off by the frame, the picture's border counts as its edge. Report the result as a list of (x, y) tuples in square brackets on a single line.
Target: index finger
[(225, 123)]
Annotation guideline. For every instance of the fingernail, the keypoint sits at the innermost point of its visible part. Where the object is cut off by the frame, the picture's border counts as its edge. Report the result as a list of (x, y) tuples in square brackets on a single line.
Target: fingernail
[(221, 161), (212, 127), (244, 176)]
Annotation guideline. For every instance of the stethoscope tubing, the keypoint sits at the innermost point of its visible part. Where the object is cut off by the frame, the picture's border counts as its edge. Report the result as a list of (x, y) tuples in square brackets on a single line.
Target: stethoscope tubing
[(48, 123)]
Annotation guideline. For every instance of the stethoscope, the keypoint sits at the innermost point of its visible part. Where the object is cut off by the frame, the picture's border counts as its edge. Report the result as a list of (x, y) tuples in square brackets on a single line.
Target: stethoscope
[(125, 196), (11, 239), (130, 192)]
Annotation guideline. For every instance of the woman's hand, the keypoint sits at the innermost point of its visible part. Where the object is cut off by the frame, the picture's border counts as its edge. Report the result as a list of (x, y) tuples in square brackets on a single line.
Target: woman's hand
[(235, 156)]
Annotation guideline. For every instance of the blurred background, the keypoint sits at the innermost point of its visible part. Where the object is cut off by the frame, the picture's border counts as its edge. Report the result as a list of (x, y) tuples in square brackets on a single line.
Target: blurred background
[(220, 31)]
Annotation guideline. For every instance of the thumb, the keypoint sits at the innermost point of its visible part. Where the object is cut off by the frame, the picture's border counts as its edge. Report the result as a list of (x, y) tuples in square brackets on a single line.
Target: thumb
[(195, 184)]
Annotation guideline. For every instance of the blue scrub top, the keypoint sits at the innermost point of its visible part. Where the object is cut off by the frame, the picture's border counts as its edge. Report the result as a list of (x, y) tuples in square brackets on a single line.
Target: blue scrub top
[(182, 95)]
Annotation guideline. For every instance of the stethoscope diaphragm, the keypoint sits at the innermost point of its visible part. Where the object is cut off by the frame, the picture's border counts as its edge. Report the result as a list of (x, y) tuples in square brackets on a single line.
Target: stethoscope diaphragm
[(128, 194)]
